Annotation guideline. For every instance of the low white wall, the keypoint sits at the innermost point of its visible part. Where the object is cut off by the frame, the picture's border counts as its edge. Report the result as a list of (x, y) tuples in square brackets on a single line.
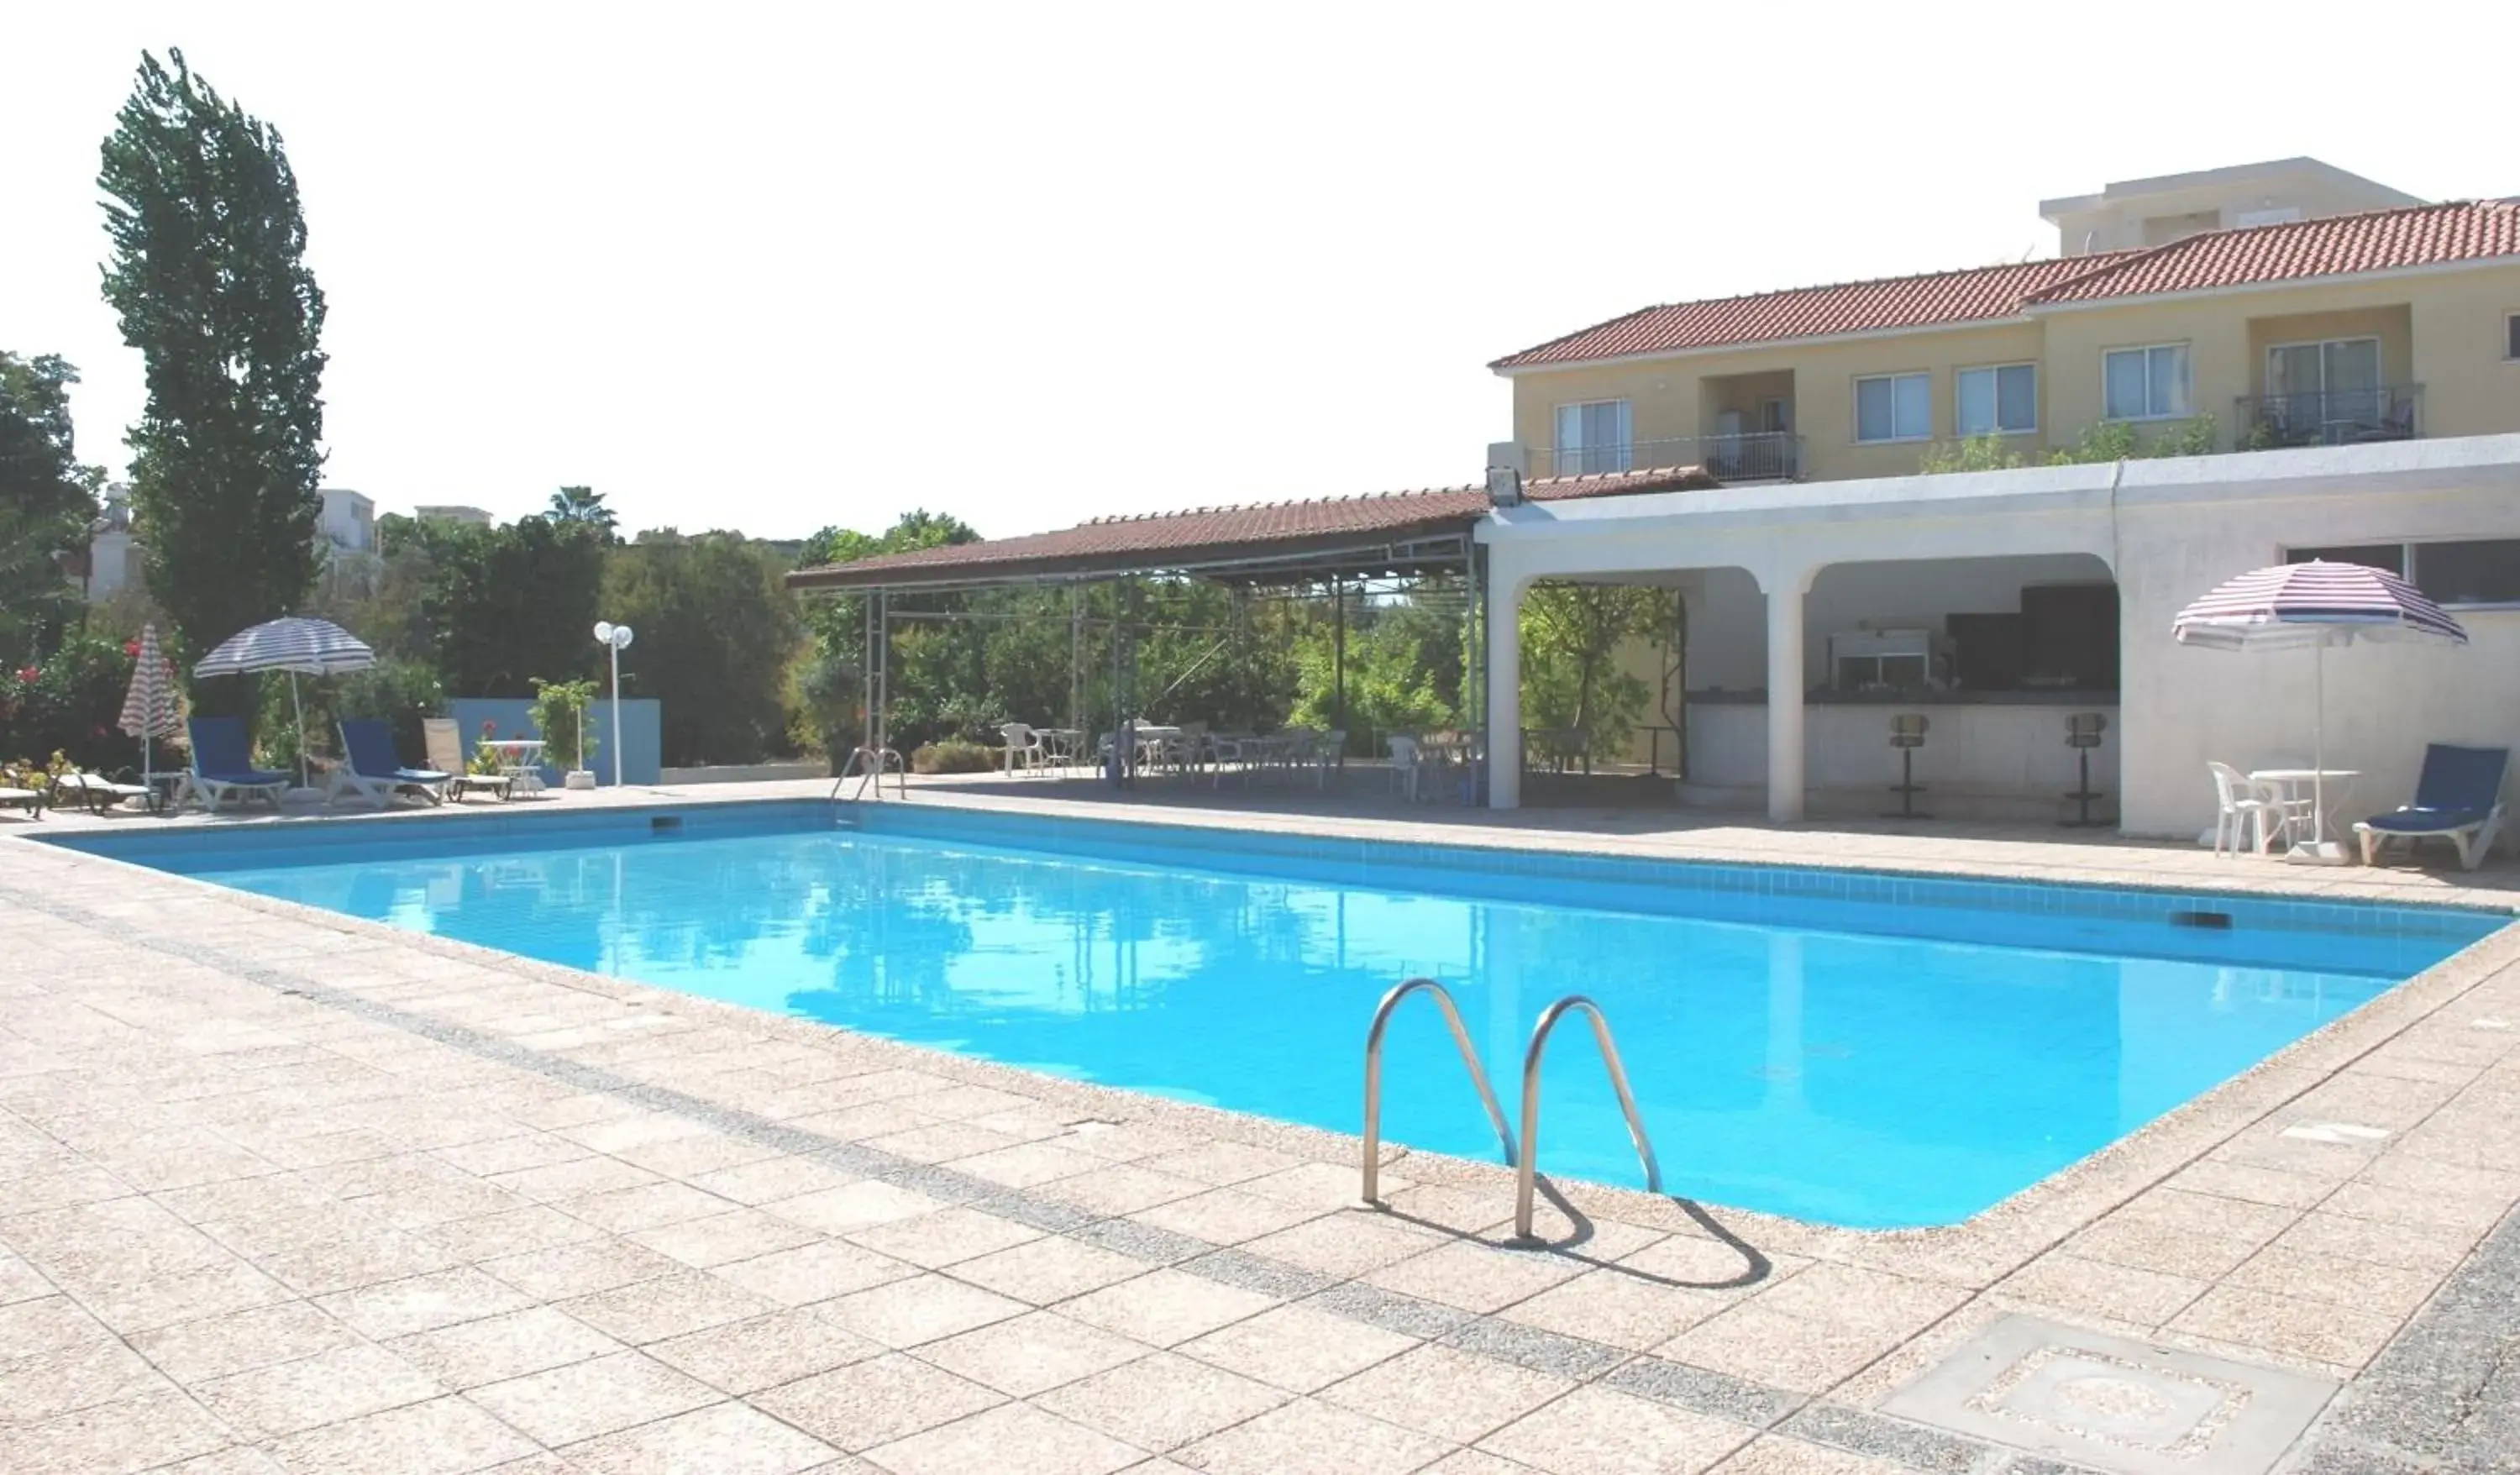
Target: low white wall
[(2012, 758), (748, 773)]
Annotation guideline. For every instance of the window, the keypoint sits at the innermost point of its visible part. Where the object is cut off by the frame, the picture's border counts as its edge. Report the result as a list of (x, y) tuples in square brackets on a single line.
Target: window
[(2146, 384), (1894, 407), (2511, 336), (2469, 571), (2332, 382), (2003, 400), (1592, 438)]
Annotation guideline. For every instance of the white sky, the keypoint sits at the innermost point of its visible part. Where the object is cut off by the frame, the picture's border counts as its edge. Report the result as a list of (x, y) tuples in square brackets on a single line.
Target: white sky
[(751, 266)]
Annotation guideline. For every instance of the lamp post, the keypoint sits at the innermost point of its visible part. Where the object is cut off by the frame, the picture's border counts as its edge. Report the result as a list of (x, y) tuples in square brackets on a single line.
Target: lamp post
[(615, 639)]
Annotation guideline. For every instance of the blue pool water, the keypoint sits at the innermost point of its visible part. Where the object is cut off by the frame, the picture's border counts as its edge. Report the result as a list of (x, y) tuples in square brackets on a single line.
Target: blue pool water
[(1861, 1049)]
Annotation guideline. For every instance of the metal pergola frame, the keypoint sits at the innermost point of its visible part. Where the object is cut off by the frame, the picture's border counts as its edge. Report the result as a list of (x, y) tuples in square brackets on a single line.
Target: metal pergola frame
[(1368, 566)]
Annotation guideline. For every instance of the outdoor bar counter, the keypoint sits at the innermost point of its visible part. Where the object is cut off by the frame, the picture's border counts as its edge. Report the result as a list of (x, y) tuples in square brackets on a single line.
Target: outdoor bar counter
[(1996, 755)]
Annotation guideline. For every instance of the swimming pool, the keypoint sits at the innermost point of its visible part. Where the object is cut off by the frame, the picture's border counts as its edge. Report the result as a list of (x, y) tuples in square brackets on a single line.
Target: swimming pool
[(1862, 1050)]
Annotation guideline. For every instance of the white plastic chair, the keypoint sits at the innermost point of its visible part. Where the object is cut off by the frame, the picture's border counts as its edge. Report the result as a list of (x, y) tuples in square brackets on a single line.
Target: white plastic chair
[(1325, 756), (2243, 802), (1404, 766), (1024, 748)]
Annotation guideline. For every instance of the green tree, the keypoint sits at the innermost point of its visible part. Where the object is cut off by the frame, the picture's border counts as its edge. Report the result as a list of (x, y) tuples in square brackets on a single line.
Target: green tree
[(47, 500), (1571, 633), (581, 504), (208, 277), (496, 606), (716, 630), (829, 686)]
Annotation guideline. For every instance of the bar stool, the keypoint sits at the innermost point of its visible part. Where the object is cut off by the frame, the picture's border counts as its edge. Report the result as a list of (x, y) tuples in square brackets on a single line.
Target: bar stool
[(2083, 731), (1906, 735)]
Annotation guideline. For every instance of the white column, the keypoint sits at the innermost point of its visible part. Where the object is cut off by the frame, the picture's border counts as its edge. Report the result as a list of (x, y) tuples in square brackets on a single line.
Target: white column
[(1505, 688), (1785, 694)]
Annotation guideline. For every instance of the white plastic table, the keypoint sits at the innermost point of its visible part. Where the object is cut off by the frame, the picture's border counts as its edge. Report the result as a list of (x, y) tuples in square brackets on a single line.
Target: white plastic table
[(520, 760), (2298, 786)]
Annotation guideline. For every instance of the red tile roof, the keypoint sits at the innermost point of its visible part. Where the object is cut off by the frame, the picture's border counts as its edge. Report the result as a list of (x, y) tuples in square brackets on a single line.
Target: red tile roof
[(2376, 241), (2432, 235), (1208, 536), (1978, 294)]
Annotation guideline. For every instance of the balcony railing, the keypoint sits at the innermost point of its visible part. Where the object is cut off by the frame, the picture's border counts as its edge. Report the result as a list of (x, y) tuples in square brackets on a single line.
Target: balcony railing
[(2329, 417), (1762, 456)]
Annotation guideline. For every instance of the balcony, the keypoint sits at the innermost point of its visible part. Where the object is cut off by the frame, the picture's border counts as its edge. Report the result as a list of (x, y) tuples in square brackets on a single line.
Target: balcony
[(1758, 456), (2329, 417)]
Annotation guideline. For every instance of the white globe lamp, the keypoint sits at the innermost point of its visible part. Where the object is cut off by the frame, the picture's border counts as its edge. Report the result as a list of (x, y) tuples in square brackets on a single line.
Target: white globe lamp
[(615, 639)]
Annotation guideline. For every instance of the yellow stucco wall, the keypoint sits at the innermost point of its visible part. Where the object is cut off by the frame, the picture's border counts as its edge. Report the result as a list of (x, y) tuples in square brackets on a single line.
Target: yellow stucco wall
[(2442, 329)]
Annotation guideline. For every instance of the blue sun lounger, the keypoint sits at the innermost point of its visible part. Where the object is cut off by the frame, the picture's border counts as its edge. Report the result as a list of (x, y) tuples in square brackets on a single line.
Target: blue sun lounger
[(2458, 797), (374, 771), (223, 768)]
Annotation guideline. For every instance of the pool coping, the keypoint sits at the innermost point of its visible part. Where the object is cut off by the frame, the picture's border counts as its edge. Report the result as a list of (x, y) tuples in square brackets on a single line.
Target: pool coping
[(1977, 1253)]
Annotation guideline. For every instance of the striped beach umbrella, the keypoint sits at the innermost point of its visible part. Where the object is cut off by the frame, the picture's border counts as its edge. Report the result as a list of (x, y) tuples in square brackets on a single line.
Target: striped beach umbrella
[(152, 709), (2314, 605), (294, 644)]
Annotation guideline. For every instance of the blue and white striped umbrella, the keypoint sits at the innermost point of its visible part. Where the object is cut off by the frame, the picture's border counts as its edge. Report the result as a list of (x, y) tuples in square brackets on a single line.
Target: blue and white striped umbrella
[(296, 644), (2314, 605), (292, 642)]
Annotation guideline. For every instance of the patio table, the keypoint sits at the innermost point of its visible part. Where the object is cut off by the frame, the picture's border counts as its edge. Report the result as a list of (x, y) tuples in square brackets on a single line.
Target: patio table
[(1062, 747), (2297, 785), (521, 760)]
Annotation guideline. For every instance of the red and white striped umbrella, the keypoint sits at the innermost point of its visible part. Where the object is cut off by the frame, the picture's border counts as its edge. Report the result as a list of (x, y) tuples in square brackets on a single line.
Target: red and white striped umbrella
[(2314, 605)]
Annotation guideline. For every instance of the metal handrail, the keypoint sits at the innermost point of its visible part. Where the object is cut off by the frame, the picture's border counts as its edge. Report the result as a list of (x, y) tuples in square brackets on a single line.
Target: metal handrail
[(1373, 1077), (1527, 1172), (875, 772)]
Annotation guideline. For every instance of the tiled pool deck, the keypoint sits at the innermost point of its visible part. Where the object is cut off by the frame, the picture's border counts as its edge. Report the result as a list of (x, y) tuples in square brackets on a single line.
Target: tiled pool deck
[(282, 1189)]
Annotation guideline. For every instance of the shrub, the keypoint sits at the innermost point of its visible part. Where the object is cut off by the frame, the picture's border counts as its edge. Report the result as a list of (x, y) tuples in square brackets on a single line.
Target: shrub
[(559, 713), (955, 755), (70, 703), (401, 693)]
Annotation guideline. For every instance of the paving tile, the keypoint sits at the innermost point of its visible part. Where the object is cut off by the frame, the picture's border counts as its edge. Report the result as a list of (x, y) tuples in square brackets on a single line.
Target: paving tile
[(853, 1206), (390, 1254), (1777, 1455), (2169, 1250), (130, 1435), (940, 1142), (1309, 1437), (1226, 1216), (2414, 1247), (666, 1307), (1029, 1165), (1593, 1431), (512, 1154), (21, 1281), (924, 1309), (1320, 1187), (46, 1325), (444, 1437), (723, 1439), (1121, 1188), (1009, 1436), (945, 1237), (771, 1179), (1164, 1308), (1345, 1245), (498, 1348), (1221, 1163), (582, 1400), (1049, 1269), (571, 1179), (1161, 1401), (2096, 1288), (185, 1296), (559, 1272), (424, 1303), (1452, 1395), (241, 1341), (49, 1384), (812, 1272), (2287, 1326), (2356, 1284), (2266, 1185), (1475, 1462), (1032, 1354), (747, 1356), (875, 1402), (345, 1382), (1475, 1276), (515, 1231), (690, 1157), (1297, 1348), (623, 1211), (1750, 1341), (1611, 1306)]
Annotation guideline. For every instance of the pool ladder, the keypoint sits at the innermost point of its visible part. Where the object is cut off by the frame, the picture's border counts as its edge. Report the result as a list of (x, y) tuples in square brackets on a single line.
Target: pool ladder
[(1526, 1162), (877, 761)]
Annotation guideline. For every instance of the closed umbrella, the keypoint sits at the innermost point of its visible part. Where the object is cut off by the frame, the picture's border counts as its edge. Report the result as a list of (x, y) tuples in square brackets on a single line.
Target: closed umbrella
[(296, 644), (2314, 605), (151, 709)]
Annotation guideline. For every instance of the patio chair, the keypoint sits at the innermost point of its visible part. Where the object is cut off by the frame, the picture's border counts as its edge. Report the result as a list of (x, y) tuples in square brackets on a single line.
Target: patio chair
[(1024, 747), (445, 752), (1326, 755), (1404, 766), (2458, 797), (22, 789), (371, 768), (2243, 802), (223, 766)]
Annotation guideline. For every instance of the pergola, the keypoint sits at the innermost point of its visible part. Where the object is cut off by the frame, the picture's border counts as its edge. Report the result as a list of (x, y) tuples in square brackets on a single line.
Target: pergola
[(1338, 547)]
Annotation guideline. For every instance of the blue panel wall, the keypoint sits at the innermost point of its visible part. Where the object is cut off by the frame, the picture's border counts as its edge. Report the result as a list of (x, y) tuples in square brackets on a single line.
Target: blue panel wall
[(641, 759)]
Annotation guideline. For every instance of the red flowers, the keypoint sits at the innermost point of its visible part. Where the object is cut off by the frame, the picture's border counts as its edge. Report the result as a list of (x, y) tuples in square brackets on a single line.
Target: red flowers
[(131, 649), (489, 727), (30, 673)]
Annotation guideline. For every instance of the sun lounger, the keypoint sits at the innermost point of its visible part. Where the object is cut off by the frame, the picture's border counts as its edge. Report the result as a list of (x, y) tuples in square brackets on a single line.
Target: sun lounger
[(2459, 798), (94, 792), (21, 792), (371, 768), (446, 752), (223, 769)]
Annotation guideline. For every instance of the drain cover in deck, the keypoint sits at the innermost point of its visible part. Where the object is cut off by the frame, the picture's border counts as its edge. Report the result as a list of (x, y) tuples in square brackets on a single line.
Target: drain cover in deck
[(2114, 1405)]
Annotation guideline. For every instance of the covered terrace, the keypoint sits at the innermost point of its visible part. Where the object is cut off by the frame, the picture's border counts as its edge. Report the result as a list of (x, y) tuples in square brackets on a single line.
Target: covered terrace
[(1355, 552)]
